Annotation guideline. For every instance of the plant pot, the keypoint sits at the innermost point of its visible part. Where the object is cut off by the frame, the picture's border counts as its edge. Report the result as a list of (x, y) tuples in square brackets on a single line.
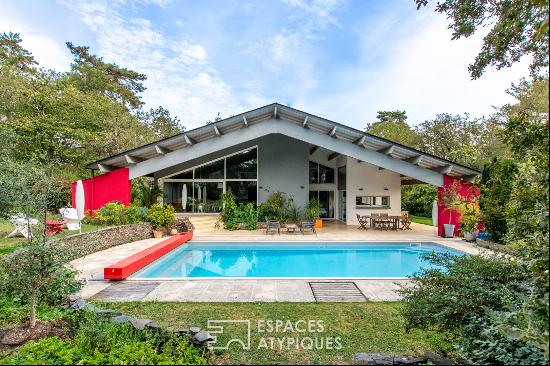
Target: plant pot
[(449, 230), (174, 231), (470, 236), (158, 233), (318, 224)]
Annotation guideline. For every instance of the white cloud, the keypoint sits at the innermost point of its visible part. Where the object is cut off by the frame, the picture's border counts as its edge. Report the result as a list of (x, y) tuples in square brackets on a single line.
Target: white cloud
[(179, 75), (46, 51)]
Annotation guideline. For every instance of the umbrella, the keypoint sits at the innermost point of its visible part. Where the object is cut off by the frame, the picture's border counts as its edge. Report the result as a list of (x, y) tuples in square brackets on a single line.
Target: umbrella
[(204, 194), (184, 197), (199, 193), (79, 197), (434, 213)]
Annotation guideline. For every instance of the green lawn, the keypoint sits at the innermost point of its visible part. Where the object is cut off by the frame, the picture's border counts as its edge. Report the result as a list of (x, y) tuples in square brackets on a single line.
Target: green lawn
[(8, 245), (362, 327), (422, 220)]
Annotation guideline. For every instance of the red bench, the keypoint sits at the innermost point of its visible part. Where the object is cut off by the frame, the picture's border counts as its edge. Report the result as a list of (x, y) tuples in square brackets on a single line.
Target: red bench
[(124, 268)]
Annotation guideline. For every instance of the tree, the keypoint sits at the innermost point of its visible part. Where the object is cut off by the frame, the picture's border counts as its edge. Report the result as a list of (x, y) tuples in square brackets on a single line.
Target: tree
[(161, 123), (12, 53), (91, 73), (518, 28), (393, 126)]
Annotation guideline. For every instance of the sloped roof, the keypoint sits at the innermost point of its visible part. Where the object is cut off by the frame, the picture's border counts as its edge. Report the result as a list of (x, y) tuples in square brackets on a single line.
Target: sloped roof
[(277, 111)]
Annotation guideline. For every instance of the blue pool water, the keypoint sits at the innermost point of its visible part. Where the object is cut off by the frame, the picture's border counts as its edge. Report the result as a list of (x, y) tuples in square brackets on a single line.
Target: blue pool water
[(332, 259)]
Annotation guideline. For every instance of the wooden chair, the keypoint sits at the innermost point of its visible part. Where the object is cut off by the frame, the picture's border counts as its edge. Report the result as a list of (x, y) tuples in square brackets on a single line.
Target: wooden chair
[(374, 220), (406, 223), (273, 225), (363, 222)]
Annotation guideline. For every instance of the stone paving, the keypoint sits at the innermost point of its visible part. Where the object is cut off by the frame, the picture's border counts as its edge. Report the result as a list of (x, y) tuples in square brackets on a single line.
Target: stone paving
[(251, 290)]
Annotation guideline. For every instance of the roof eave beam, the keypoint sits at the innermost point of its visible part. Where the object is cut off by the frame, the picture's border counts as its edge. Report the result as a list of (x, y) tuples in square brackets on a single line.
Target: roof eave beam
[(305, 123), (132, 159), (333, 156), (188, 140), (360, 141), (332, 132), (162, 150), (275, 113), (387, 150), (313, 150), (469, 178), (217, 131), (414, 159), (104, 168), (446, 169), (245, 122)]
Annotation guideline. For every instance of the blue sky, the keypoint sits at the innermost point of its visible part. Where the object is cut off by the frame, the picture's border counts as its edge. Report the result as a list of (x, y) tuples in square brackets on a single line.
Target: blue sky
[(340, 59)]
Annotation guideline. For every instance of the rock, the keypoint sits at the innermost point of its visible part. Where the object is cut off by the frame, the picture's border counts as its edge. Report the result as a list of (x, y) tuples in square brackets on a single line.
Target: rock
[(107, 312), (181, 332), (202, 337), (437, 359), (140, 324), (120, 319), (78, 304), (194, 330), (385, 359), (153, 326)]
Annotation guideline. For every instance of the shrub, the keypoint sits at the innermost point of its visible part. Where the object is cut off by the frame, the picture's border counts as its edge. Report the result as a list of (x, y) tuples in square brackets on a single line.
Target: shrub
[(312, 210), (469, 216), (465, 296), (144, 193), (233, 214), (273, 207), (112, 213), (100, 342), (495, 189), (418, 199), (135, 214), (161, 216)]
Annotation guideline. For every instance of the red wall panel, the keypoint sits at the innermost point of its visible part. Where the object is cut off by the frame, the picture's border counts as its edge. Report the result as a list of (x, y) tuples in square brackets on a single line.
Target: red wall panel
[(466, 190), (112, 186)]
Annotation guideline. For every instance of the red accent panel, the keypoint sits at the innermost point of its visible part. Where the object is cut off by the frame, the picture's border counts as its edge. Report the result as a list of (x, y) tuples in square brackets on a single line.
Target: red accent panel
[(134, 263), (112, 186), (466, 190)]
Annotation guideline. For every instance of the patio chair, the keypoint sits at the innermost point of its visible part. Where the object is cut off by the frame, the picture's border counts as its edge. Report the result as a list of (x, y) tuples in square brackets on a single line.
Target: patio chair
[(273, 225), (374, 220), (362, 222), (70, 217), (307, 225), (22, 223), (406, 223), (384, 215)]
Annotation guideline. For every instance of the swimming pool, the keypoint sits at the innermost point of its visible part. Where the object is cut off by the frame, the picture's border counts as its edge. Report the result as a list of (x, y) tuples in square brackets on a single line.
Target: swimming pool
[(291, 260)]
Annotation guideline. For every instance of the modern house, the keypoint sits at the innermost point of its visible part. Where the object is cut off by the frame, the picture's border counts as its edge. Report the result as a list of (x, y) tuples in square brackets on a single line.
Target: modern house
[(275, 148)]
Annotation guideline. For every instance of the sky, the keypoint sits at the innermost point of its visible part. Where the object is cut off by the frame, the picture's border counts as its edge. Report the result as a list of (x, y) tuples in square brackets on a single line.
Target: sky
[(340, 59)]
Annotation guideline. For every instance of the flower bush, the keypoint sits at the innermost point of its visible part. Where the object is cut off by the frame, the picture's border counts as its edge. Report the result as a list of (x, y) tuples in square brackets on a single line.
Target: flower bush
[(469, 216), (234, 215), (161, 215)]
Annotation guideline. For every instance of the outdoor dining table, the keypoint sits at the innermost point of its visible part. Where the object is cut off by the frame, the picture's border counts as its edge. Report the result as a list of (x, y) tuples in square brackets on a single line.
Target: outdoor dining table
[(53, 227), (394, 220)]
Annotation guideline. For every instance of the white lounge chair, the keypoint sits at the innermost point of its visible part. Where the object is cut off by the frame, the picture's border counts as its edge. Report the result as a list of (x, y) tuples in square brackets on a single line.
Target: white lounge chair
[(71, 217), (22, 224)]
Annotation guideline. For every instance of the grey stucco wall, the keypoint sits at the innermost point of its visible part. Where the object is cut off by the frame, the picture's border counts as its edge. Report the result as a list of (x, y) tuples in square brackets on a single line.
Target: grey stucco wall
[(283, 166)]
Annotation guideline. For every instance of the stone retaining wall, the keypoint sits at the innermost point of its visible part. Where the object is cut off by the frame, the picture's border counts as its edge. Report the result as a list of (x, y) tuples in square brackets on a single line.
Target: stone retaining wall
[(83, 244)]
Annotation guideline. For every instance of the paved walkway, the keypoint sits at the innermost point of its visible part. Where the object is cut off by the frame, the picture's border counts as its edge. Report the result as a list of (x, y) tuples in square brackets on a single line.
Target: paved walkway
[(246, 290)]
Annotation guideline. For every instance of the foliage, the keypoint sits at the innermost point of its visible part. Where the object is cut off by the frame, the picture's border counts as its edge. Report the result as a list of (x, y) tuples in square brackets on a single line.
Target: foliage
[(312, 210), (100, 342), (518, 28), (161, 122), (495, 189), (527, 212), (144, 192), (37, 274), (112, 213), (14, 54), (273, 207), (460, 296), (469, 216), (135, 214), (392, 125), (418, 199), (234, 215), (161, 215)]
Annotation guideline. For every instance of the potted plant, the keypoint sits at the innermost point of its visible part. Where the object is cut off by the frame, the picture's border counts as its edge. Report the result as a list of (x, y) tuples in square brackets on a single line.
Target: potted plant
[(312, 213), (160, 217), (451, 199), (469, 217)]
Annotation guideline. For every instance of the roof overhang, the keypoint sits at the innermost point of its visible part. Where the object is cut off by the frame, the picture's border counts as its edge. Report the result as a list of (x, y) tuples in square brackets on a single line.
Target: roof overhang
[(279, 119)]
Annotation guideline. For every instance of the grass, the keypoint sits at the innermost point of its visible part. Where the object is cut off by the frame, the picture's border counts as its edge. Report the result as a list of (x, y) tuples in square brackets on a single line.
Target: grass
[(362, 327), (8, 245), (422, 220)]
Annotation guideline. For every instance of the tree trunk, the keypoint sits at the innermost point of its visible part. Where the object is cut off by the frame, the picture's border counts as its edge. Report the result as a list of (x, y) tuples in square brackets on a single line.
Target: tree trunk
[(32, 313)]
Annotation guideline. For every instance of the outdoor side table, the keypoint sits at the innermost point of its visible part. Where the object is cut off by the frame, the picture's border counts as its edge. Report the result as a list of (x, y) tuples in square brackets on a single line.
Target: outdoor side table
[(54, 227)]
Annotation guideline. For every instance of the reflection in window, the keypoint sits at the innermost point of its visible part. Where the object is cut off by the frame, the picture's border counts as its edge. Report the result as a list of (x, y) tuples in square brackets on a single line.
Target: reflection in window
[(326, 174), (372, 201), (212, 170), (242, 165), (313, 172), (244, 191), (185, 175)]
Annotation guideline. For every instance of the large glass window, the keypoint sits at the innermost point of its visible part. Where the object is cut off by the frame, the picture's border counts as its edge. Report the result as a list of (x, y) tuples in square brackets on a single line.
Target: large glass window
[(342, 178), (200, 189), (213, 170), (326, 174), (242, 165), (373, 201), (244, 191), (313, 172)]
